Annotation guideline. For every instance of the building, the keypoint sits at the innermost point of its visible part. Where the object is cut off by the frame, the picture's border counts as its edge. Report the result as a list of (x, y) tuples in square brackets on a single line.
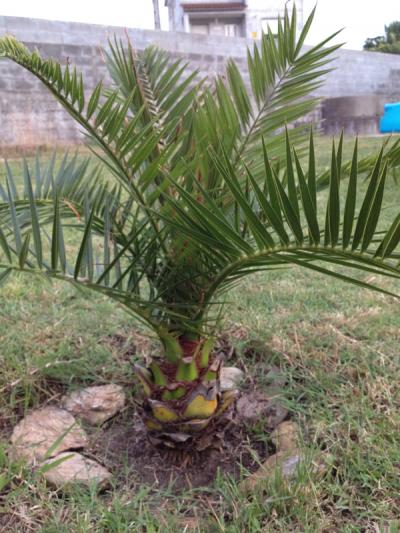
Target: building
[(245, 18)]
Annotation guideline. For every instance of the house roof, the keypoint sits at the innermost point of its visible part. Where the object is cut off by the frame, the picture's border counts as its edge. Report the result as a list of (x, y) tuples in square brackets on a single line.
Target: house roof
[(214, 6)]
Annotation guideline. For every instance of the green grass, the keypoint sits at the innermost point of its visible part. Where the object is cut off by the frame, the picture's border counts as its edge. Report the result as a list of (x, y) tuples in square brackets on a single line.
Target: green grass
[(337, 345)]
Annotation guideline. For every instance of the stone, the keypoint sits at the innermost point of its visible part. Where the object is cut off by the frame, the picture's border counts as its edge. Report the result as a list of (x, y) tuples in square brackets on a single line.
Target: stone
[(72, 468), (286, 461), (189, 523), (286, 436), (96, 404), (262, 407), (230, 378), (34, 437)]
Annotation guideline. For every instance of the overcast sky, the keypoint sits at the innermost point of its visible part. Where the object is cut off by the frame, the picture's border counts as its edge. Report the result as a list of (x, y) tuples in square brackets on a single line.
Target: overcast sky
[(360, 18)]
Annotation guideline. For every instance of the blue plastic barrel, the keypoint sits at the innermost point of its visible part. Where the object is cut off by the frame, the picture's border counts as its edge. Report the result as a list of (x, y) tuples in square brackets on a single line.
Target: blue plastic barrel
[(390, 121)]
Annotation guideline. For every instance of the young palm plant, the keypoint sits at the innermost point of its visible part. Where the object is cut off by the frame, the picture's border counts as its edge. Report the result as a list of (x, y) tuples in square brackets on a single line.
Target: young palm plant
[(198, 185)]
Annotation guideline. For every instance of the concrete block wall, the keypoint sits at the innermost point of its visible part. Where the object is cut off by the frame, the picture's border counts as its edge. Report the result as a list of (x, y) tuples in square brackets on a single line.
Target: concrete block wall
[(30, 117)]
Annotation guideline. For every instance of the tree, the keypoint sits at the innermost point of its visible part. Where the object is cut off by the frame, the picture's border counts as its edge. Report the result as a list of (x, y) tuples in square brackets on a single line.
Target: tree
[(389, 43), (201, 186)]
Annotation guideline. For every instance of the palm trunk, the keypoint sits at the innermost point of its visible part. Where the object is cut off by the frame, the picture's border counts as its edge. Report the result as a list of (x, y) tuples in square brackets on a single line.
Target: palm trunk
[(183, 397)]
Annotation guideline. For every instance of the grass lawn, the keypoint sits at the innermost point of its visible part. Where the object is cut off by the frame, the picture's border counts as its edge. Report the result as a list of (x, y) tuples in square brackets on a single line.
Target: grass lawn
[(337, 345)]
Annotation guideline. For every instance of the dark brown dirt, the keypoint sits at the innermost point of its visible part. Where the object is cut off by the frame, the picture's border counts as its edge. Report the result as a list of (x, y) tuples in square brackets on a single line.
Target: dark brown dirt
[(123, 445)]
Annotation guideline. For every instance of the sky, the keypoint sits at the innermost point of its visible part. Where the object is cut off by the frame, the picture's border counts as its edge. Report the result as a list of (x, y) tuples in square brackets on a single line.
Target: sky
[(359, 18)]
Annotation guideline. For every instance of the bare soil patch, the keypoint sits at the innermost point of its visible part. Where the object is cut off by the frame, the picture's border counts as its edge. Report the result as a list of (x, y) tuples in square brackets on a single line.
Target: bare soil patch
[(123, 446)]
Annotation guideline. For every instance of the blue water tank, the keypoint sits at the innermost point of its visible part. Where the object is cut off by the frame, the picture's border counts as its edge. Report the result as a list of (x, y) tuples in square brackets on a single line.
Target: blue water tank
[(390, 121)]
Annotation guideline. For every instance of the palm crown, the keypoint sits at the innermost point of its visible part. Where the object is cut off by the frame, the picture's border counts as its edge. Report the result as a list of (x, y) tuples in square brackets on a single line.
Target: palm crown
[(202, 186)]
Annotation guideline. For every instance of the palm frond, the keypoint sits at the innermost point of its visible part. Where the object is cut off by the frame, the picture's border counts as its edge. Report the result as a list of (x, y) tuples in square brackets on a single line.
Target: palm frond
[(161, 86), (112, 130), (283, 231), (116, 269), (282, 77)]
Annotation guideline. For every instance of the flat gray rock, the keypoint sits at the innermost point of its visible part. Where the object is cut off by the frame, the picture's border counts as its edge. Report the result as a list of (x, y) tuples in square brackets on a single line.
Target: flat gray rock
[(286, 462), (44, 433), (69, 468), (230, 378), (96, 404), (265, 406), (286, 436)]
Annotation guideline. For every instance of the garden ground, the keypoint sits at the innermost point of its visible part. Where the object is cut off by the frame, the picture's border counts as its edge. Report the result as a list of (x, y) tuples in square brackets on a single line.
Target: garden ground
[(337, 345)]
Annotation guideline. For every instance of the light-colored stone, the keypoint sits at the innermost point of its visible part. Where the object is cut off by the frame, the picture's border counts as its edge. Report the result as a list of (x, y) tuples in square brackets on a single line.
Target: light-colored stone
[(286, 461), (70, 468), (189, 523), (286, 436), (96, 404), (230, 378), (35, 435), (262, 407)]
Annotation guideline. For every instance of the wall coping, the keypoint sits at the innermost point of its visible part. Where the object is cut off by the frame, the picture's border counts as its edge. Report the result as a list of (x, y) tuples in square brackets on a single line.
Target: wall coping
[(80, 33)]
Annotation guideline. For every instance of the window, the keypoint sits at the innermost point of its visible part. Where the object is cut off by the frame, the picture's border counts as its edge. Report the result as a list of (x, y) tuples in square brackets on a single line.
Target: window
[(231, 30), (199, 28), (216, 28)]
